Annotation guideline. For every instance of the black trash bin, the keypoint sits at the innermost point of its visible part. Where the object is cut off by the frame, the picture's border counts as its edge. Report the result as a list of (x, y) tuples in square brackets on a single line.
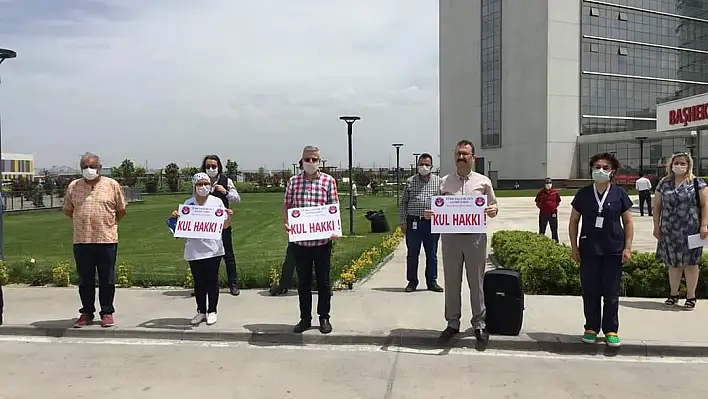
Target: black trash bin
[(379, 224)]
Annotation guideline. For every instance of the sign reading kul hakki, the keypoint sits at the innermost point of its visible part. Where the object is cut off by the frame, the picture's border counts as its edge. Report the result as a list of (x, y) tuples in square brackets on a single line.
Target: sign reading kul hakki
[(314, 223), (200, 222), (459, 214)]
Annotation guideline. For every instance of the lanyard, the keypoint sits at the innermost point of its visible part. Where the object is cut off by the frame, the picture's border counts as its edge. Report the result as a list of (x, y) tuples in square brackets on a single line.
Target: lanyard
[(600, 202)]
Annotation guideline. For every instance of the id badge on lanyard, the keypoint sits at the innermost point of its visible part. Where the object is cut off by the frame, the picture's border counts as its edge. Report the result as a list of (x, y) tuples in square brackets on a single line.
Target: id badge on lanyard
[(599, 220)]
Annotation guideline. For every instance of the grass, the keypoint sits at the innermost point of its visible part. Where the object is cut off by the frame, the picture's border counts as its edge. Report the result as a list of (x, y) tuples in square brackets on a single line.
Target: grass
[(156, 258)]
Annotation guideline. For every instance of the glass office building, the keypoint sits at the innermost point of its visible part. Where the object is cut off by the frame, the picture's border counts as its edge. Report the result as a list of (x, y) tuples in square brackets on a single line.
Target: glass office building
[(636, 54)]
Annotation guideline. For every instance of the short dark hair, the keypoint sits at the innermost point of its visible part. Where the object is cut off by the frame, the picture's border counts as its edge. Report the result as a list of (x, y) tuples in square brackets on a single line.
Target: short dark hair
[(425, 155), (300, 163), (605, 156), (640, 174), (212, 158), (465, 143)]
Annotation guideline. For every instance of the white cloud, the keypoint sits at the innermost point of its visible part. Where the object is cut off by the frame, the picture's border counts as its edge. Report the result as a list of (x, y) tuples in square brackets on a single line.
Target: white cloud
[(171, 80)]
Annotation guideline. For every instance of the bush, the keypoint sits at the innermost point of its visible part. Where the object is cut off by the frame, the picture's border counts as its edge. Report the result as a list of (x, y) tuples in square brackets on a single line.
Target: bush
[(4, 276), (367, 261), (60, 274), (123, 276), (547, 267)]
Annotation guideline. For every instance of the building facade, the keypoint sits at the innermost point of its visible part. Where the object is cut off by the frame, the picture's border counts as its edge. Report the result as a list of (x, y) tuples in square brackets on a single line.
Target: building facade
[(541, 85), (16, 165)]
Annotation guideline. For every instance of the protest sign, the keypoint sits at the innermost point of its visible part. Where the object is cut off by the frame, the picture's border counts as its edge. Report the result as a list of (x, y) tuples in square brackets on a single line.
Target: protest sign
[(200, 222), (459, 214), (314, 223)]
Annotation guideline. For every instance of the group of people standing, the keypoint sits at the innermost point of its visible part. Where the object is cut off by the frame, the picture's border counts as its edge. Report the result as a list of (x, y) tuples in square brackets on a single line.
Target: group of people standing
[(604, 243)]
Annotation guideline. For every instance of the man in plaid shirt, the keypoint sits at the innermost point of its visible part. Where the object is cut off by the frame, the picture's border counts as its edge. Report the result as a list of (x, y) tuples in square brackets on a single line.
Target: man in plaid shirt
[(419, 190), (312, 188)]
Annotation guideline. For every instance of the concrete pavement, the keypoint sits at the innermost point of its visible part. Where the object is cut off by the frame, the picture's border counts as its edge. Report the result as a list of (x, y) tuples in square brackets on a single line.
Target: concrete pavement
[(133, 369), (376, 312)]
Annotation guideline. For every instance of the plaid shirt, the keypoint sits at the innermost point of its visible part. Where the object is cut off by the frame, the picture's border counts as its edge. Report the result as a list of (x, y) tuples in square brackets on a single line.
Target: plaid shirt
[(302, 192), (94, 210), (417, 195)]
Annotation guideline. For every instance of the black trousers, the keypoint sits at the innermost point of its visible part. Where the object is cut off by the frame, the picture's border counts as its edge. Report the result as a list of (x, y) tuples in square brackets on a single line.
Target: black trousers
[(229, 257), (288, 269), (205, 273), (600, 278), (90, 258), (644, 197), (321, 257), (546, 220)]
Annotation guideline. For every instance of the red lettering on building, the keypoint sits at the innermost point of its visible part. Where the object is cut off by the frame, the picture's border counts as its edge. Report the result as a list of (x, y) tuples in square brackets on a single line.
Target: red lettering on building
[(686, 115)]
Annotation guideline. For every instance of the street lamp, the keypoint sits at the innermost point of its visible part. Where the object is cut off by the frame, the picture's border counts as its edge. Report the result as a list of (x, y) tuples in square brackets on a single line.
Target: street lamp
[(398, 173), (489, 168), (350, 122), (641, 140), (294, 170), (416, 155), (324, 165), (4, 55)]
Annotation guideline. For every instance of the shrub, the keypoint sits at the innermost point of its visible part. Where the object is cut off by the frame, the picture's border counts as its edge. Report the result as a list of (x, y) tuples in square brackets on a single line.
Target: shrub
[(547, 267), (60, 274), (188, 279), (31, 272), (123, 276), (4, 275), (369, 259)]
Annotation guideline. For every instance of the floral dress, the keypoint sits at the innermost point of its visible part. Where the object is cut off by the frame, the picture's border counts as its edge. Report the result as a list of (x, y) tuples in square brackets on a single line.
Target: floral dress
[(678, 220)]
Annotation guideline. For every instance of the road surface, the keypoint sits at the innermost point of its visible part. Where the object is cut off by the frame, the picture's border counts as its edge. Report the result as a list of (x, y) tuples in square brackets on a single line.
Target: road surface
[(75, 368)]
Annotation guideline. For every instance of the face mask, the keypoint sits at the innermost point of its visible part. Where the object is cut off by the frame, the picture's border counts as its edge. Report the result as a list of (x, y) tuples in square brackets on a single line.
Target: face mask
[(212, 172), (680, 169), (548, 186), (424, 170), (310, 168), (601, 175), (203, 191), (89, 173)]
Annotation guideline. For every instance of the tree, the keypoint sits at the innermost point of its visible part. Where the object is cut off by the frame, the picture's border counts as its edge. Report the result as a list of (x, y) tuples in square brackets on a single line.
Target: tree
[(261, 176), (232, 171), (172, 176), (360, 177), (124, 173), (190, 171)]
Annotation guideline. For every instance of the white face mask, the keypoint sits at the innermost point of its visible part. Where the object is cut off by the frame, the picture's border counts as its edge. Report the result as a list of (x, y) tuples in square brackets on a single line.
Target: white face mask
[(89, 173), (203, 191), (212, 172), (680, 170), (548, 186), (601, 175), (310, 168), (424, 170)]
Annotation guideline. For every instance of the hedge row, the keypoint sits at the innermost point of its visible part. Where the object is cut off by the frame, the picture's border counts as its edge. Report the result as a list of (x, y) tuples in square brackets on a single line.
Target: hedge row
[(548, 269), (36, 273)]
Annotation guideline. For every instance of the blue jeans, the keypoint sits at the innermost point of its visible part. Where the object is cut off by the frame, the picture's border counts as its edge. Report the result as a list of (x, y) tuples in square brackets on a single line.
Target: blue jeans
[(414, 238)]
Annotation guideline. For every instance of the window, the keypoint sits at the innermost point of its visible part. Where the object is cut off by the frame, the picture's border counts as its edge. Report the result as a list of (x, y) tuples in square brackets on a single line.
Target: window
[(594, 47), (622, 51), (622, 16), (594, 12)]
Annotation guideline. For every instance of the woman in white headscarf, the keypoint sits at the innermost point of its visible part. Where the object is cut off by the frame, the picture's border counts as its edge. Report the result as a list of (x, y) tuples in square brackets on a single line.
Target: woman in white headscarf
[(204, 255)]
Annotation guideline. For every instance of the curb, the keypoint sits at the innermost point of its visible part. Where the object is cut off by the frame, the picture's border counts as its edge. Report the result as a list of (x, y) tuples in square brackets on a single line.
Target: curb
[(546, 342), (378, 267)]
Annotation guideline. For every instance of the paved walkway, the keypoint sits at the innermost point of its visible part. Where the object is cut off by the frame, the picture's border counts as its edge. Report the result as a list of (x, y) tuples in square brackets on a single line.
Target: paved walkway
[(376, 312)]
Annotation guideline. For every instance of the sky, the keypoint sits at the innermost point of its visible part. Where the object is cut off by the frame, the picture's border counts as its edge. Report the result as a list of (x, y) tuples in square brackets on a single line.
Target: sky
[(162, 81)]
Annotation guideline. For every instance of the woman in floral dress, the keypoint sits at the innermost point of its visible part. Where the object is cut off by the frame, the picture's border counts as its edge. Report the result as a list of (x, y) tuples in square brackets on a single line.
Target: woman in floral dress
[(680, 210)]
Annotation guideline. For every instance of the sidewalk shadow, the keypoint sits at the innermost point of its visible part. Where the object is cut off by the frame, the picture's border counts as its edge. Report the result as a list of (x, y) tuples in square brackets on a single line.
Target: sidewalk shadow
[(649, 305), (274, 335), (168, 324), (55, 328), (416, 339), (571, 344), (389, 289), (181, 293), (267, 293)]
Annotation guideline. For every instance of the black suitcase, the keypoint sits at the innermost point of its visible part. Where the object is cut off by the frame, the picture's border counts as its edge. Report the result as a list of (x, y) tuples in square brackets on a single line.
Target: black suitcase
[(504, 299)]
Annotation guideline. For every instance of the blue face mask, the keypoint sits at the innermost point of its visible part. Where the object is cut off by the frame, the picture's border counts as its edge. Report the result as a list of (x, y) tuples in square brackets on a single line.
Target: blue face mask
[(601, 175)]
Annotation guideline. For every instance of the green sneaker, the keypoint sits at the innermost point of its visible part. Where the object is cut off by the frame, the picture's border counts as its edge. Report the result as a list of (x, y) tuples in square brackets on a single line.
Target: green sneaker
[(613, 340), (589, 337)]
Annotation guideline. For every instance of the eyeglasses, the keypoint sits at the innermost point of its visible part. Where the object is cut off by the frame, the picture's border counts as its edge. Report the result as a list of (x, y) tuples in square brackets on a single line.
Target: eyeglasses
[(212, 167), (310, 160), (202, 184)]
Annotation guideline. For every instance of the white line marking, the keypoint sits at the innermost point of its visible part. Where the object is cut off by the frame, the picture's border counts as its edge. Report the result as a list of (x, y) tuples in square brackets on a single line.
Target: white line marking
[(354, 348)]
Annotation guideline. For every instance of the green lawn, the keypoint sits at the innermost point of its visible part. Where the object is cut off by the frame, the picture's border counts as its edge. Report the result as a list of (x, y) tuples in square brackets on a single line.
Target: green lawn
[(155, 257)]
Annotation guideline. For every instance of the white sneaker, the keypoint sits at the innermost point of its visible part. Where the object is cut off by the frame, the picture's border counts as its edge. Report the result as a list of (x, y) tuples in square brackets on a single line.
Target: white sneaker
[(199, 318), (211, 318)]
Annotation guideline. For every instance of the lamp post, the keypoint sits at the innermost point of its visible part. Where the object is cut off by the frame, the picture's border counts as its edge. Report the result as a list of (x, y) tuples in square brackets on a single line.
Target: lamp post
[(416, 155), (4, 55), (641, 140), (398, 172), (294, 170), (324, 165), (350, 123), (489, 168)]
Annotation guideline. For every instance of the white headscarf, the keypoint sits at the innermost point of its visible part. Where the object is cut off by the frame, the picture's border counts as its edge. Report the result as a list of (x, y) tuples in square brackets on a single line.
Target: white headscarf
[(197, 177)]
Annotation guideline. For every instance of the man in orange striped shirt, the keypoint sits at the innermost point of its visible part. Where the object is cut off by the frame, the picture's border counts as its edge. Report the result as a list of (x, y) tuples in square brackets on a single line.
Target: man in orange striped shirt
[(95, 204)]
